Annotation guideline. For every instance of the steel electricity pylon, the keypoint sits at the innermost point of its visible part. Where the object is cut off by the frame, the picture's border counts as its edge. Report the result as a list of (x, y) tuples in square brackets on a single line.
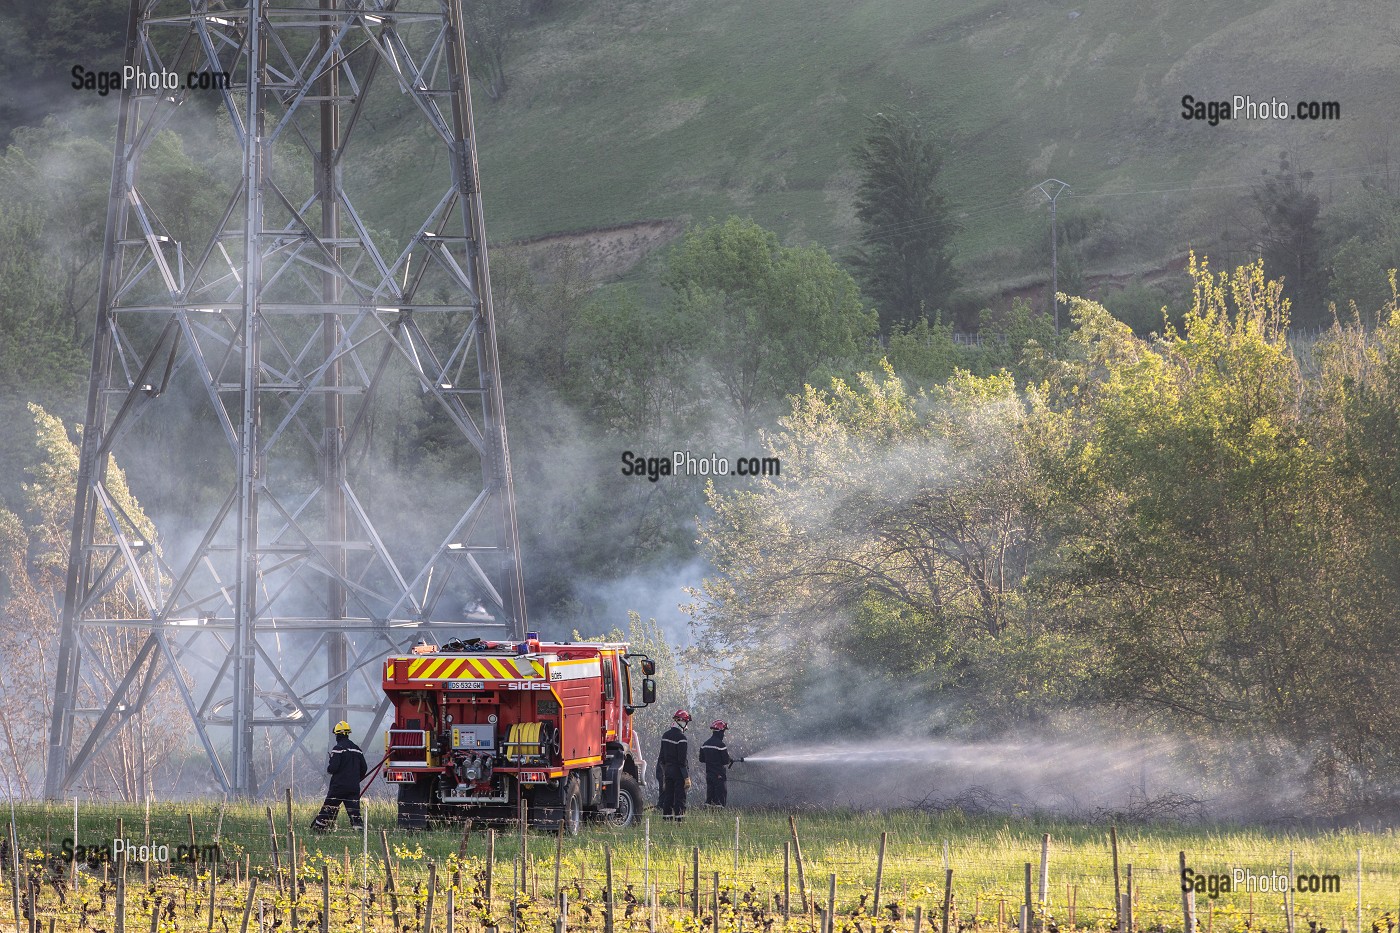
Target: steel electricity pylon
[(263, 351)]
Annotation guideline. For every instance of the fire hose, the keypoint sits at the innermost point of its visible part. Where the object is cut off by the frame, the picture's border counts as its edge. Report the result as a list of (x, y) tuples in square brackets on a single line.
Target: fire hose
[(369, 778)]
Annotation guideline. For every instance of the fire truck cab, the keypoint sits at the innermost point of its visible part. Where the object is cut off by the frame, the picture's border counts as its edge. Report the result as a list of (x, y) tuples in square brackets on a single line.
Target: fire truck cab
[(484, 728)]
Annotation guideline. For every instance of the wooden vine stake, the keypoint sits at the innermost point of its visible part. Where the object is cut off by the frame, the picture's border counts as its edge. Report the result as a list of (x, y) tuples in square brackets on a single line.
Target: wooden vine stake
[(325, 898), (490, 865), (1117, 882), (276, 858), (947, 897), (787, 882), (1029, 912), (609, 904), (558, 852), (389, 883), (1188, 907), (880, 875), (121, 893), (797, 854), (248, 905), (432, 893)]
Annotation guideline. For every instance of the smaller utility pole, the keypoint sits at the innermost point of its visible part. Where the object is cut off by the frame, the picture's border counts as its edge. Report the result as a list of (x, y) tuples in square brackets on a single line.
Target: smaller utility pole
[(1045, 188)]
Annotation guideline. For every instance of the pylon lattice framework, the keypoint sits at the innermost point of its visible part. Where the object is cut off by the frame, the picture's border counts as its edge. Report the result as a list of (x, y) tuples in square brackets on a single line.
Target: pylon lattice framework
[(286, 321)]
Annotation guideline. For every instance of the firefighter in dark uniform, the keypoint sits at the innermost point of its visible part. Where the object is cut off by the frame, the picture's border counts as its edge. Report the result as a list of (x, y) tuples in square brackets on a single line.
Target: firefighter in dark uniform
[(673, 768), (714, 755), (347, 768)]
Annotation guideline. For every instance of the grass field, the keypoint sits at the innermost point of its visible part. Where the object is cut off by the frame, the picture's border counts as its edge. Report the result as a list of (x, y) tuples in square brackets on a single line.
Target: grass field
[(987, 855), (632, 109)]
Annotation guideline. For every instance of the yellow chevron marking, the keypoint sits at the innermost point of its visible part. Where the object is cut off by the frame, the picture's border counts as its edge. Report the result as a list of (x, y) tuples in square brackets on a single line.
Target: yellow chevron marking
[(484, 668)]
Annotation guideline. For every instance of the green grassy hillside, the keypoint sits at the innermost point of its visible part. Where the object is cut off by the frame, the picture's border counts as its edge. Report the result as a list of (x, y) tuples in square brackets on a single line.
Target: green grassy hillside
[(621, 110)]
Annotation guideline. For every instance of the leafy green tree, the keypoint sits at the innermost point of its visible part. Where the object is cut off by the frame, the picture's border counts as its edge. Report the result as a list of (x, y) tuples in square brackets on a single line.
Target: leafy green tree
[(1010, 337), (903, 261), (1198, 514), (41, 42), (35, 355), (631, 368), (1015, 340), (1194, 529), (1362, 233), (1141, 306), (926, 352), (538, 313), (62, 175), (901, 530), (765, 318), (1361, 378)]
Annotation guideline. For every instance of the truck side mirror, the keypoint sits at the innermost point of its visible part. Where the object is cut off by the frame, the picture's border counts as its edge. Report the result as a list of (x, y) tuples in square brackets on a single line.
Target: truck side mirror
[(648, 666), (648, 691)]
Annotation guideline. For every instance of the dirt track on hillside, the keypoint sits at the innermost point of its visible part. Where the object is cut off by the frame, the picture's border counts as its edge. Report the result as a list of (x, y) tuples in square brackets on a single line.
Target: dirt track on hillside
[(604, 252)]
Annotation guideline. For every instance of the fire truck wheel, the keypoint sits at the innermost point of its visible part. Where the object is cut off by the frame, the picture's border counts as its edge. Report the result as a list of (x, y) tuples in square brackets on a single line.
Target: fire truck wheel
[(413, 805), (629, 801), (573, 807)]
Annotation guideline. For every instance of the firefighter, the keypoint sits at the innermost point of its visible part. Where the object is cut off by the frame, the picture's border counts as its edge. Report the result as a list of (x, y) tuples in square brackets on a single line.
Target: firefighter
[(347, 768), (673, 768), (714, 755)]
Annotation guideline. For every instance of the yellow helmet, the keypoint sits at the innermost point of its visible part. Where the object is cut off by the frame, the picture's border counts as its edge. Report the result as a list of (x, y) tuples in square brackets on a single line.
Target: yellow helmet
[(342, 728)]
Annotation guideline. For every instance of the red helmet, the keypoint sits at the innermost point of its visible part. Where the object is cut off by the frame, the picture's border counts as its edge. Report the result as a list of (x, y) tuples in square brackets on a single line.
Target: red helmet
[(681, 716), (719, 725)]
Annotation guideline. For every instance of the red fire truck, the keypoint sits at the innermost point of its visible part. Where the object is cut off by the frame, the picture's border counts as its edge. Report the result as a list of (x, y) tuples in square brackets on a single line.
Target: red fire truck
[(482, 727)]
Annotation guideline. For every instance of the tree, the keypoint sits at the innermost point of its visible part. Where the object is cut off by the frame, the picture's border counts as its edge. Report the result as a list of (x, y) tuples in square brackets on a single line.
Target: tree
[(898, 537), (62, 175), (41, 42), (33, 564), (631, 370), (35, 355), (490, 24), (906, 226), (1192, 528), (766, 318), (57, 175), (1212, 535), (1292, 242), (1363, 237), (675, 688), (926, 352), (1361, 369), (538, 306)]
